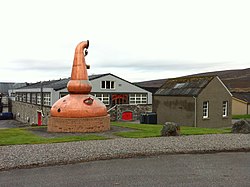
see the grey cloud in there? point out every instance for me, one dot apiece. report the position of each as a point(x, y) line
point(39, 65)
point(107, 65)
point(158, 65)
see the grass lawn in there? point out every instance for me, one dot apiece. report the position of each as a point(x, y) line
point(241, 116)
point(16, 136)
point(146, 130)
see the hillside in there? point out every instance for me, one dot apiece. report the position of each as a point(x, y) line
point(236, 80)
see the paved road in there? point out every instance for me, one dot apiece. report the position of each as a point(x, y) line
point(11, 124)
point(221, 169)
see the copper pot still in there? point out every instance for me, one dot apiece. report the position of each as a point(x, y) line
point(79, 103)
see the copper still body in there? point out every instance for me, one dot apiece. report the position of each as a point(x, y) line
point(79, 111)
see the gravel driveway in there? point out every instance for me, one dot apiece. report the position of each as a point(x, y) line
point(23, 156)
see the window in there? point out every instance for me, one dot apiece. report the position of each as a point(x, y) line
point(20, 96)
point(112, 84)
point(103, 98)
point(33, 98)
point(179, 85)
point(120, 99)
point(225, 108)
point(138, 99)
point(24, 97)
point(38, 96)
point(205, 109)
point(108, 84)
point(28, 97)
point(17, 96)
point(103, 84)
point(46, 99)
point(62, 94)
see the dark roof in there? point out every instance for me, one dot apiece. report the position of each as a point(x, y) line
point(152, 83)
point(5, 86)
point(58, 85)
point(187, 86)
point(45, 84)
point(92, 77)
point(61, 83)
point(244, 96)
point(234, 80)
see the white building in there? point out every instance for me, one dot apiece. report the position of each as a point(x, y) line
point(33, 102)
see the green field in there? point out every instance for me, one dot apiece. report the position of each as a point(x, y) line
point(14, 136)
point(146, 130)
point(241, 116)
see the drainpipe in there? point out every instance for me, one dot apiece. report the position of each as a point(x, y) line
point(41, 96)
point(195, 110)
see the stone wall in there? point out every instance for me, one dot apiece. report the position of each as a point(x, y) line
point(215, 93)
point(91, 124)
point(137, 110)
point(27, 113)
point(178, 109)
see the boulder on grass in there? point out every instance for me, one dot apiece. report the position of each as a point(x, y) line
point(170, 129)
point(241, 126)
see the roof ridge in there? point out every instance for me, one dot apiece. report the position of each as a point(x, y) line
point(192, 77)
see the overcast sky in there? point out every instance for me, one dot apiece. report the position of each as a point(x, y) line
point(134, 39)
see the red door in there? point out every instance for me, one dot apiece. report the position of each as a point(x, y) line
point(127, 116)
point(39, 118)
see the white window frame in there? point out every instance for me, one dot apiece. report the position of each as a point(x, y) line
point(205, 111)
point(24, 97)
point(28, 97)
point(33, 98)
point(46, 99)
point(225, 108)
point(135, 99)
point(17, 96)
point(111, 85)
point(20, 97)
point(105, 98)
point(38, 98)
